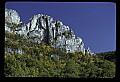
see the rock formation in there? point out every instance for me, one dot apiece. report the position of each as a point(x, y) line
point(45, 29)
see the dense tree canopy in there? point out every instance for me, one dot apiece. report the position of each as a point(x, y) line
point(41, 60)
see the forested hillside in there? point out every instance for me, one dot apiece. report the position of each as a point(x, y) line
point(47, 48)
point(30, 63)
point(110, 56)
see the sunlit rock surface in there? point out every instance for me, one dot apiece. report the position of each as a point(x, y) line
point(12, 16)
point(45, 28)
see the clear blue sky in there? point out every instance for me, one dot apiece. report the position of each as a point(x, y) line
point(94, 22)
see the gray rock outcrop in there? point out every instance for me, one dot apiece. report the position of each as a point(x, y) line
point(45, 29)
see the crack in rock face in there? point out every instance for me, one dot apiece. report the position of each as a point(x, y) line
point(45, 28)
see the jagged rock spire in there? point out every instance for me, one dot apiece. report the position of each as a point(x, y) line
point(52, 32)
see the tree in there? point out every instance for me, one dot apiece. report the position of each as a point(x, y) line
point(71, 69)
point(20, 24)
point(108, 69)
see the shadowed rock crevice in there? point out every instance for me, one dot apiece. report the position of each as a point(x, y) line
point(44, 29)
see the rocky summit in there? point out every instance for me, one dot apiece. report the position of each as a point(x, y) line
point(44, 29)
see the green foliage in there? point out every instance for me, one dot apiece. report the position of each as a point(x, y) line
point(20, 24)
point(72, 65)
point(67, 34)
point(71, 69)
point(7, 23)
point(27, 65)
point(110, 56)
point(13, 26)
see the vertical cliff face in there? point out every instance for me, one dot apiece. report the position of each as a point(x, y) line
point(45, 29)
point(54, 33)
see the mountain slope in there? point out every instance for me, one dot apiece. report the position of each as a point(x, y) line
point(44, 29)
point(110, 56)
point(47, 48)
